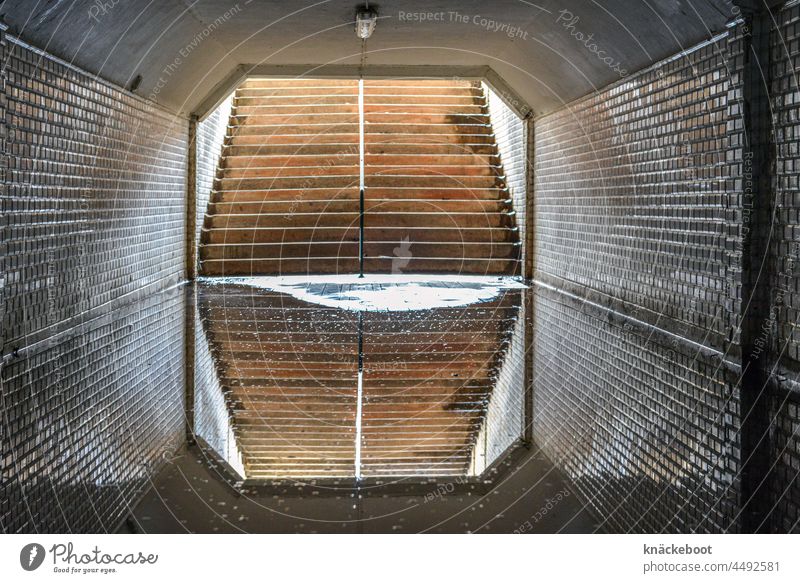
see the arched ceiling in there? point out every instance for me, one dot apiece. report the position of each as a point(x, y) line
point(184, 48)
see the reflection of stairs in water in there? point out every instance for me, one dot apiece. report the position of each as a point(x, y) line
point(286, 200)
point(289, 370)
point(428, 376)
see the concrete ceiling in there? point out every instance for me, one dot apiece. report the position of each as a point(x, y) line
point(183, 48)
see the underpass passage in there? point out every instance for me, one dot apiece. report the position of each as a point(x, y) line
point(658, 202)
point(312, 390)
point(287, 198)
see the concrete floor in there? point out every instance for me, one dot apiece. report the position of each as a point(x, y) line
point(191, 495)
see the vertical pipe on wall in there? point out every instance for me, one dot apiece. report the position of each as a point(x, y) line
point(191, 274)
point(530, 183)
point(758, 270)
point(527, 272)
point(4, 148)
point(361, 232)
point(191, 201)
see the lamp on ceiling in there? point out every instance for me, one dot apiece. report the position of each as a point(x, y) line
point(366, 18)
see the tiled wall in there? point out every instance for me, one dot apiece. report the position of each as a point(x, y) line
point(89, 417)
point(784, 482)
point(93, 196)
point(640, 208)
point(210, 136)
point(636, 194)
point(504, 422)
point(786, 50)
point(785, 313)
point(213, 422)
point(637, 209)
point(510, 134)
point(647, 433)
point(92, 245)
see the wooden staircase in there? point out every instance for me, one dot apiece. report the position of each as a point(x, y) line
point(286, 199)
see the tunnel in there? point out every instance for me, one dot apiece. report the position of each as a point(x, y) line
point(400, 267)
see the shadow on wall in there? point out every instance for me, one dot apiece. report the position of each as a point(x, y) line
point(90, 416)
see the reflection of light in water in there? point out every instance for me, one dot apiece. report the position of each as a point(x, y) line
point(359, 414)
point(381, 292)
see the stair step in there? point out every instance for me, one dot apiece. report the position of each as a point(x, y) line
point(416, 158)
point(434, 95)
point(431, 219)
point(352, 193)
point(398, 128)
point(455, 192)
point(377, 250)
point(417, 83)
point(422, 93)
point(375, 141)
point(349, 115)
point(299, 182)
point(343, 157)
point(286, 194)
point(431, 149)
point(340, 139)
point(455, 117)
point(307, 204)
point(290, 171)
point(281, 103)
point(349, 180)
point(383, 171)
point(448, 180)
point(345, 115)
point(316, 149)
point(349, 232)
point(267, 131)
point(352, 158)
point(348, 265)
point(296, 82)
point(271, 206)
point(340, 106)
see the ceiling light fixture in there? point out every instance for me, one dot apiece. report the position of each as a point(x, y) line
point(366, 18)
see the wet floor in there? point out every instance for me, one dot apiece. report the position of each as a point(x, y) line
point(526, 495)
